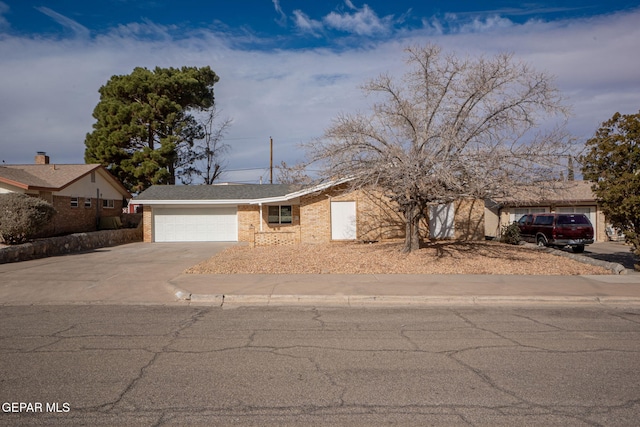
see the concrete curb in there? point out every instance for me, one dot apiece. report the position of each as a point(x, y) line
point(355, 301)
point(178, 292)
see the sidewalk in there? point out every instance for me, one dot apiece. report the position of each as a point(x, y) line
point(143, 273)
point(407, 290)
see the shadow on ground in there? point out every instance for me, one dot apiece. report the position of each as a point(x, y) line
point(627, 259)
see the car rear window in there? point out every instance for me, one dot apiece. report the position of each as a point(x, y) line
point(572, 219)
point(543, 220)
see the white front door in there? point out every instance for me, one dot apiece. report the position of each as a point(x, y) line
point(442, 221)
point(343, 221)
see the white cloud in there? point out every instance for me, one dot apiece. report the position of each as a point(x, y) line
point(49, 87)
point(363, 22)
point(78, 29)
point(480, 25)
point(306, 24)
point(283, 17)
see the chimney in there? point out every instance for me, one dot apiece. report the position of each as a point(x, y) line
point(42, 158)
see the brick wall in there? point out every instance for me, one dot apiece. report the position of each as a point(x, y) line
point(249, 221)
point(147, 226)
point(601, 226)
point(469, 219)
point(376, 217)
point(277, 238)
point(315, 218)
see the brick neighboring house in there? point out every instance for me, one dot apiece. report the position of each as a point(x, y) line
point(276, 214)
point(80, 193)
point(565, 197)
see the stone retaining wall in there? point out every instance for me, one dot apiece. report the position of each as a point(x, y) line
point(71, 243)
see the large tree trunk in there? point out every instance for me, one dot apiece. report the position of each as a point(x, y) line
point(412, 216)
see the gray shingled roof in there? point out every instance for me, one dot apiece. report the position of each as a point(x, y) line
point(216, 192)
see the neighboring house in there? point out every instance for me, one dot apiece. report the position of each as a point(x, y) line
point(566, 197)
point(272, 214)
point(81, 194)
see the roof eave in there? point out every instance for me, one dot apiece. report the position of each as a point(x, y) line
point(254, 201)
point(15, 183)
point(191, 202)
point(303, 192)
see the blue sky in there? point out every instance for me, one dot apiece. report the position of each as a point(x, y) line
point(287, 67)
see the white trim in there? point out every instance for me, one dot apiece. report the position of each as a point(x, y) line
point(303, 192)
point(193, 202)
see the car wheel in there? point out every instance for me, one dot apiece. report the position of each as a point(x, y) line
point(541, 241)
point(578, 249)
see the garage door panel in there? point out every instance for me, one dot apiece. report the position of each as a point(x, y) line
point(196, 224)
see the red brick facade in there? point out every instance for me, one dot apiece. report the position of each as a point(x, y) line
point(71, 219)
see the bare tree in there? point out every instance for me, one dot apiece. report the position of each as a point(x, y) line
point(450, 128)
point(206, 155)
point(294, 174)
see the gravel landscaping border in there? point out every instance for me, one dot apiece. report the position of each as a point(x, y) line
point(443, 257)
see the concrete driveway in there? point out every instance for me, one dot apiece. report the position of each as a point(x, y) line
point(613, 252)
point(134, 273)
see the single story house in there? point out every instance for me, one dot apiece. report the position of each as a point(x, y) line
point(271, 214)
point(562, 197)
point(80, 193)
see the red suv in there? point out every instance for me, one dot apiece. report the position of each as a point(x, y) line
point(557, 229)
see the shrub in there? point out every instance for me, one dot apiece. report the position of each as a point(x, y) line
point(510, 234)
point(22, 216)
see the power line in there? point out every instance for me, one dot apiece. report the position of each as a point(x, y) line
point(246, 169)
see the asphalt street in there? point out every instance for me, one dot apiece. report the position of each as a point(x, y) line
point(179, 365)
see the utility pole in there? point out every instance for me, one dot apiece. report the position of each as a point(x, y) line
point(271, 161)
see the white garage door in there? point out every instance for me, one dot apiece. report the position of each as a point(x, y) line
point(196, 224)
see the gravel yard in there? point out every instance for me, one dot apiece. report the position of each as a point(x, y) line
point(386, 258)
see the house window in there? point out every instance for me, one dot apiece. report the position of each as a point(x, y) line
point(87, 202)
point(107, 204)
point(93, 176)
point(280, 214)
point(74, 202)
